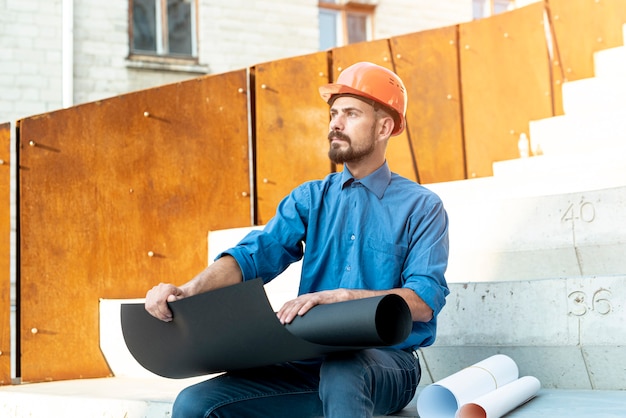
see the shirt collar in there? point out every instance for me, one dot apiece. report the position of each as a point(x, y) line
point(376, 182)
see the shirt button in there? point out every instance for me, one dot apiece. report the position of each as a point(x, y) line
point(348, 268)
point(353, 237)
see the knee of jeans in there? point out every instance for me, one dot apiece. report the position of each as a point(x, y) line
point(186, 405)
point(341, 370)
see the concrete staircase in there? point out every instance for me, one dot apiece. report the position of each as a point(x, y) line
point(537, 271)
point(543, 243)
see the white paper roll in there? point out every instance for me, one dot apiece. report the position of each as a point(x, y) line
point(442, 399)
point(502, 400)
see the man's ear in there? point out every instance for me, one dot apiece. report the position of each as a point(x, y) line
point(386, 125)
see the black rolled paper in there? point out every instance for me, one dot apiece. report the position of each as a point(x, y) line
point(235, 328)
point(371, 322)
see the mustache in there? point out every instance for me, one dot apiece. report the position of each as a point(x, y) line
point(338, 135)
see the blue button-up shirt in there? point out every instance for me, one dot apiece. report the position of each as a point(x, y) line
point(376, 233)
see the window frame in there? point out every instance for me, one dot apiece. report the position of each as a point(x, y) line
point(161, 54)
point(345, 8)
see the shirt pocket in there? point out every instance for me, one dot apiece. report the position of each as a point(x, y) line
point(386, 248)
point(383, 261)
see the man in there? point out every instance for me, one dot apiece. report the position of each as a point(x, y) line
point(367, 232)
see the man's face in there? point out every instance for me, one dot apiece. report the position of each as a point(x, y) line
point(352, 130)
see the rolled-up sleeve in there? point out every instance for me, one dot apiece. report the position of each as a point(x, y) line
point(427, 260)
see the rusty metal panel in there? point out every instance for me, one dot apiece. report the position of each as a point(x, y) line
point(399, 152)
point(5, 254)
point(505, 77)
point(116, 196)
point(428, 63)
point(291, 128)
point(582, 27)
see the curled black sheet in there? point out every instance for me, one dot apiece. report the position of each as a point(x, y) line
point(372, 322)
point(235, 328)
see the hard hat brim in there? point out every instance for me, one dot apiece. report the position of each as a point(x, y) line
point(329, 90)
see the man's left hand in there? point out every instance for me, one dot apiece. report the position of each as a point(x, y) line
point(301, 305)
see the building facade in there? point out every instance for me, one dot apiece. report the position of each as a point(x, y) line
point(60, 53)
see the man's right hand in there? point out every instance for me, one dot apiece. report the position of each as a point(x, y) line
point(157, 298)
point(223, 272)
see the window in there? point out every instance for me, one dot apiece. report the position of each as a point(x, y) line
point(164, 28)
point(486, 8)
point(344, 22)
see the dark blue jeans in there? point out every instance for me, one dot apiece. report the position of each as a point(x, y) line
point(357, 384)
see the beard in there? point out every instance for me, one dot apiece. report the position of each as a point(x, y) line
point(350, 154)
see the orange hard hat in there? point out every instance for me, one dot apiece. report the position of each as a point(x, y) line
point(372, 82)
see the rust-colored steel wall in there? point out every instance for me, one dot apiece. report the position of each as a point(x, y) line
point(399, 152)
point(582, 27)
point(505, 75)
point(116, 196)
point(427, 62)
point(291, 128)
point(5, 258)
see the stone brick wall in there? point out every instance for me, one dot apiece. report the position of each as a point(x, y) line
point(400, 17)
point(101, 47)
point(236, 34)
point(30, 57)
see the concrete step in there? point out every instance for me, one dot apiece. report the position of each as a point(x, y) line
point(610, 62)
point(499, 237)
point(573, 403)
point(578, 134)
point(103, 398)
point(567, 332)
point(602, 168)
point(592, 95)
point(133, 398)
point(594, 109)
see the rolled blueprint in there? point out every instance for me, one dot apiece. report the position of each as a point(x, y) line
point(502, 400)
point(235, 328)
point(443, 399)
